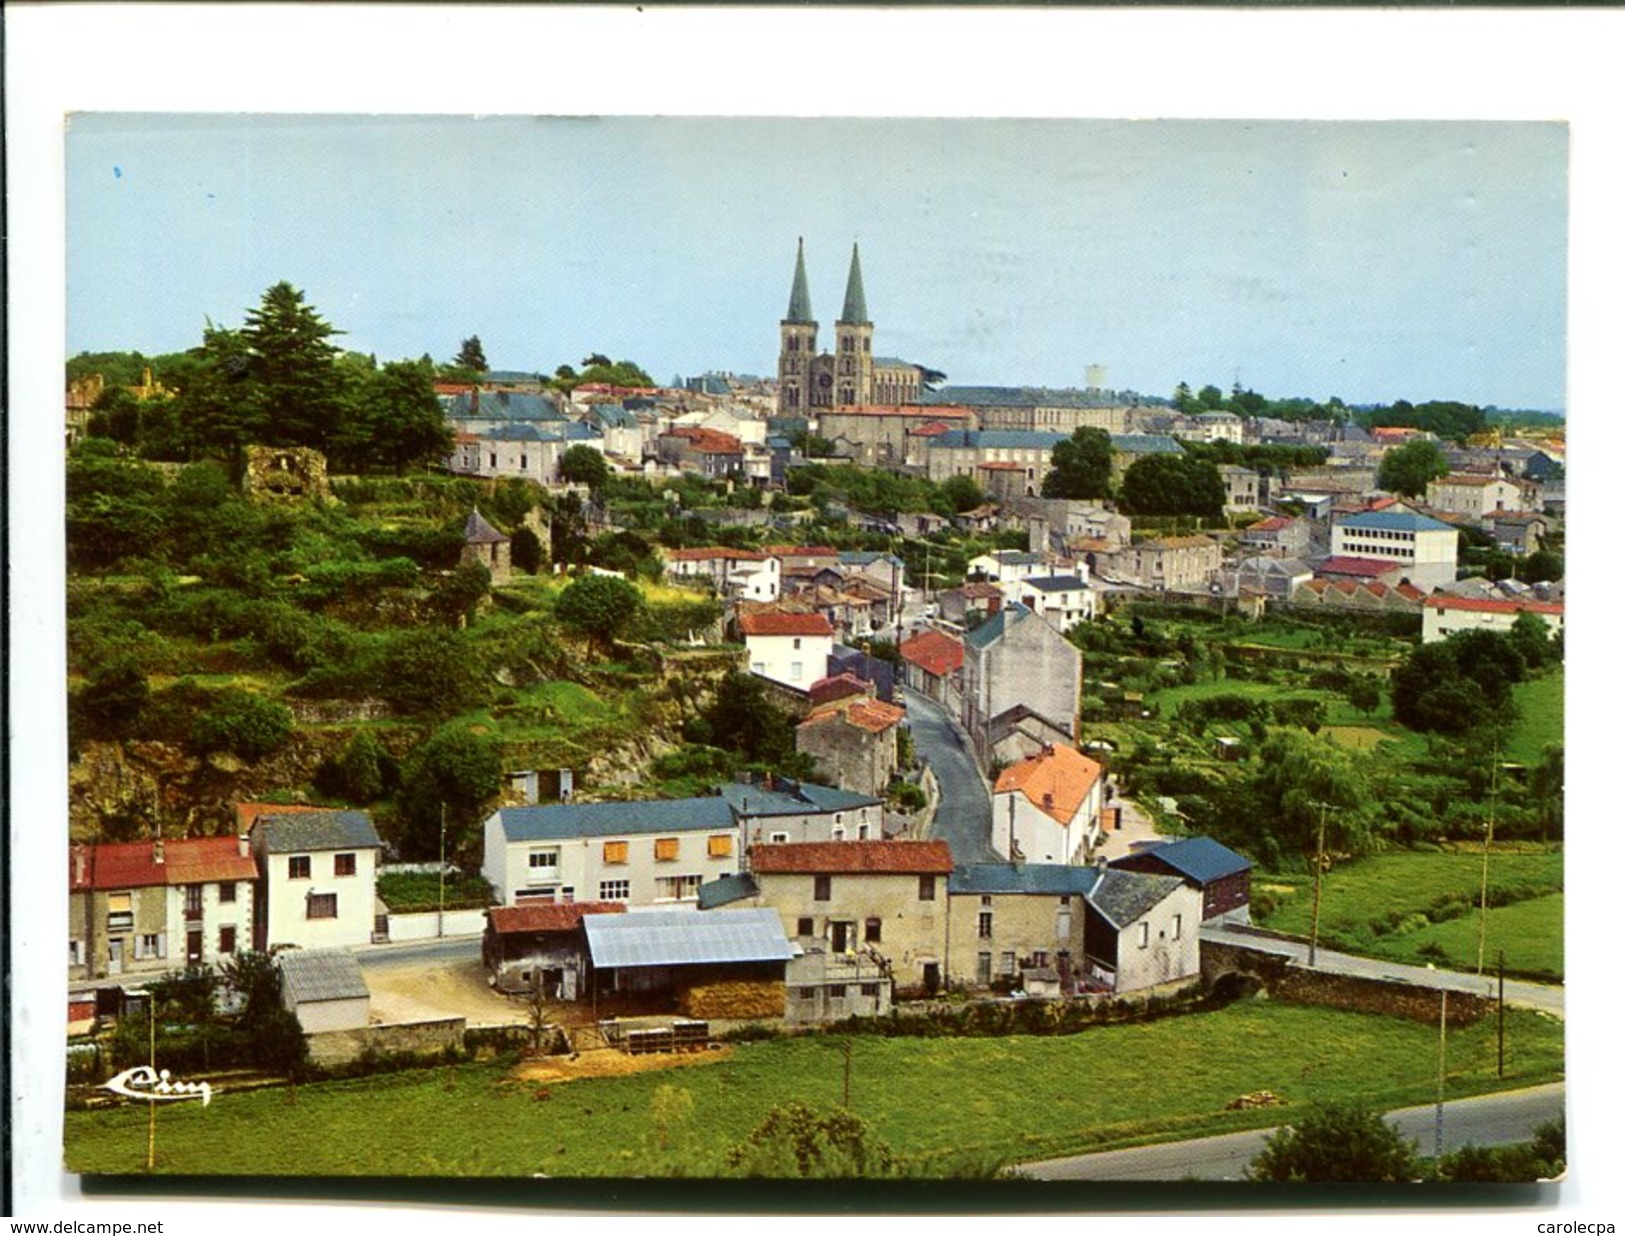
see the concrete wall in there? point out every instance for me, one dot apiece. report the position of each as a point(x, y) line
point(320, 1016)
point(425, 926)
point(333, 1047)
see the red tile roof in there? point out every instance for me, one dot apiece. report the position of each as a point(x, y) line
point(933, 652)
point(1347, 564)
point(785, 624)
point(133, 864)
point(1002, 467)
point(803, 551)
point(876, 716)
point(1056, 781)
point(930, 429)
point(549, 916)
point(932, 412)
point(1275, 523)
point(1476, 605)
point(837, 687)
point(705, 553)
point(708, 441)
point(853, 858)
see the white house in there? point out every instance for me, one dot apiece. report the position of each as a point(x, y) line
point(1046, 807)
point(792, 649)
point(781, 810)
point(317, 878)
point(1060, 600)
point(1141, 930)
point(1424, 548)
point(638, 853)
point(1444, 616)
point(745, 574)
point(1007, 566)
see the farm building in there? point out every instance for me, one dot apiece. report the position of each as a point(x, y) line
point(540, 943)
point(324, 989)
point(1223, 877)
point(722, 964)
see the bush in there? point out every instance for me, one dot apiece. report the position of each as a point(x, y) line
point(242, 722)
point(1337, 1144)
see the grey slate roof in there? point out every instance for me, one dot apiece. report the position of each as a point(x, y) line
point(855, 309)
point(1010, 439)
point(311, 975)
point(317, 830)
point(668, 815)
point(677, 937)
point(1146, 444)
point(800, 309)
point(991, 631)
point(797, 798)
point(476, 531)
point(1032, 397)
point(523, 433)
point(725, 890)
point(1052, 879)
point(509, 405)
point(1200, 858)
point(1053, 583)
point(1123, 896)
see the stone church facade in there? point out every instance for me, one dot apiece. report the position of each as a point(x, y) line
point(849, 377)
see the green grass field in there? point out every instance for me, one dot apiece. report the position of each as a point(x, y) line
point(1540, 718)
point(1016, 1099)
point(1379, 905)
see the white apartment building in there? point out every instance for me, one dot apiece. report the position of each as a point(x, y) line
point(1424, 548)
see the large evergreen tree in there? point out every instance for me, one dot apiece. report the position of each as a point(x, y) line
point(297, 391)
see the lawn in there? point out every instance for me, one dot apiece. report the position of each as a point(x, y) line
point(1540, 718)
point(1016, 1098)
point(1382, 905)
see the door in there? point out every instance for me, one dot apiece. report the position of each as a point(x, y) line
point(115, 956)
point(194, 948)
point(840, 937)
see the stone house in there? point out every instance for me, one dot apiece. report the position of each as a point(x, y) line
point(485, 545)
point(1242, 489)
point(1141, 931)
point(152, 906)
point(853, 742)
point(878, 436)
point(1019, 671)
point(932, 662)
point(884, 898)
point(1278, 534)
point(963, 452)
point(1166, 564)
point(1476, 495)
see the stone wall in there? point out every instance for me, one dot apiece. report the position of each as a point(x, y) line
point(1285, 980)
point(285, 473)
point(421, 1038)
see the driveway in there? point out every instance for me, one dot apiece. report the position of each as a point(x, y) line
point(433, 979)
point(965, 815)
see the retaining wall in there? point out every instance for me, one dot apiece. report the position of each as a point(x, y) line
point(421, 1038)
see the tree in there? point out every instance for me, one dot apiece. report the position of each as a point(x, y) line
point(472, 356)
point(1173, 485)
point(275, 1040)
point(1364, 693)
point(296, 387)
point(525, 549)
point(1337, 1144)
point(743, 719)
point(797, 1140)
point(1532, 638)
point(1456, 684)
point(112, 698)
point(600, 608)
point(362, 773)
point(1542, 566)
point(1408, 469)
point(216, 411)
point(1210, 397)
point(1184, 401)
point(597, 359)
point(963, 493)
point(1080, 466)
point(394, 421)
point(584, 465)
point(1295, 775)
point(455, 769)
point(429, 670)
point(243, 722)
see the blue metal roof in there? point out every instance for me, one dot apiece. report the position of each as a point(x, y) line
point(1054, 879)
point(561, 820)
point(985, 439)
point(1395, 521)
point(803, 798)
point(725, 890)
point(679, 937)
point(1200, 858)
point(523, 433)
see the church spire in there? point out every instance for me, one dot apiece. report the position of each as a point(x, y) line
point(856, 310)
point(800, 302)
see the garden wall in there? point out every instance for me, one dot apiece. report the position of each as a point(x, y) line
point(426, 925)
point(418, 1038)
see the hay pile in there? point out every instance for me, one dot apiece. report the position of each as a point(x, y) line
point(734, 1001)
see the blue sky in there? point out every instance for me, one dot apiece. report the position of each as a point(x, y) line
point(1374, 260)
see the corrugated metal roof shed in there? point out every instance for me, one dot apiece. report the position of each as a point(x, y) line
point(311, 975)
point(676, 938)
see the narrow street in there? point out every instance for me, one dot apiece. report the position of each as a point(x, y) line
point(965, 816)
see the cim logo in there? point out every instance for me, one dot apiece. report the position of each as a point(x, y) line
point(156, 1086)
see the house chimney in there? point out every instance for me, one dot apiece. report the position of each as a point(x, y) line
point(242, 845)
point(79, 864)
point(158, 850)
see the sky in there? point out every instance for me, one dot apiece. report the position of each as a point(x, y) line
point(1373, 261)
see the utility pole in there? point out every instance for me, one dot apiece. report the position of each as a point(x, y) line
point(1438, 1108)
point(152, 1063)
point(1320, 858)
point(1501, 1015)
point(1489, 838)
point(440, 925)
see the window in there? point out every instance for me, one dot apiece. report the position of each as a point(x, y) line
point(226, 892)
point(796, 643)
point(344, 864)
point(807, 993)
point(543, 863)
point(76, 952)
point(149, 946)
point(928, 888)
point(1145, 934)
point(228, 940)
point(322, 905)
point(666, 849)
point(821, 888)
point(804, 927)
point(1174, 934)
point(299, 867)
point(1040, 957)
point(795, 669)
point(838, 833)
point(984, 968)
point(192, 899)
point(871, 931)
point(719, 846)
point(615, 890)
point(778, 838)
point(863, 832)
point(1007, 964)
point(615, 851)
point(678, 888)
point(984, 925)
point(120, 912)
point(869, 991)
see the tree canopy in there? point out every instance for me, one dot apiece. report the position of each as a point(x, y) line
point(599, 607)
point(1081, 466)
point(1408, 469)
point(1173, 485)
point(1332, 1144)
point(1457, 684)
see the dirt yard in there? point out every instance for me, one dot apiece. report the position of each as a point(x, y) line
point(1356, 737)
point(423, 991)
point(608, 1062)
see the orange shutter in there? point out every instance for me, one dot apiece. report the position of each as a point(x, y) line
point(666, 848)
point(720, 846)
point(615, 851)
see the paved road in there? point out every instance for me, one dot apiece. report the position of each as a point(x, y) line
point(449, 950)
point(965, 816)
point(1488, 1120)
point(1542, 996)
